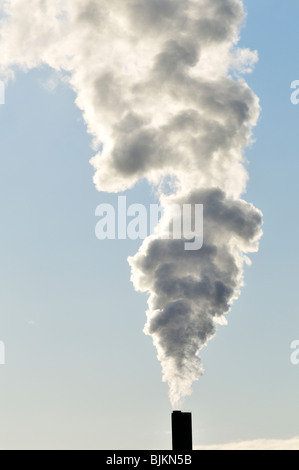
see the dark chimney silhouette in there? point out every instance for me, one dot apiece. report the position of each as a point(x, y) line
point(181, 432)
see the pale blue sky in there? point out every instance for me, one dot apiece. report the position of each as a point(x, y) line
point(80, 373)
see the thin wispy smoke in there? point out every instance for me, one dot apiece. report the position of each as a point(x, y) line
point(159, 84)
point(259, 444)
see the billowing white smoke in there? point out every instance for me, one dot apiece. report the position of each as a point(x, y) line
point(154, 81)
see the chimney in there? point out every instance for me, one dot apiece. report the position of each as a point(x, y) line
point(181, 432)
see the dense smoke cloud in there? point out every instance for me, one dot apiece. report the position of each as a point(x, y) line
point(191, 291)
point(159, 84)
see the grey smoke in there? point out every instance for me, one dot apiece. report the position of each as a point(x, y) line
point(191, 291)
point(160, 86)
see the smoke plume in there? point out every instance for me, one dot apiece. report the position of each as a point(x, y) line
point(160, 86)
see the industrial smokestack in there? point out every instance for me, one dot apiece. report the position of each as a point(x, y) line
point(181, 432)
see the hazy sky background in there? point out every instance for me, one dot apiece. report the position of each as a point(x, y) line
point(80, 373)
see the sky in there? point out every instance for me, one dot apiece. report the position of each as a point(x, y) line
point(79, 371)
